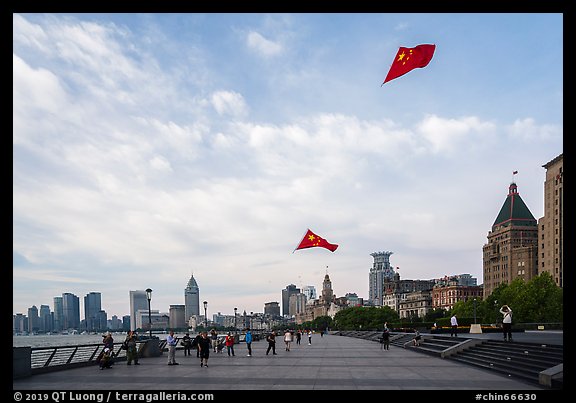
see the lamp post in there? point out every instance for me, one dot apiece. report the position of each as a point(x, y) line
point(235, 328)
point(474, 310)
point(205, 315)
point(149, 297)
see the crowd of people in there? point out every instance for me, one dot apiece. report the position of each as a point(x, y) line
point(205, 342)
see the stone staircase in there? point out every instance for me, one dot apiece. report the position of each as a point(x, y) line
point(528, 361)
point(531, 362)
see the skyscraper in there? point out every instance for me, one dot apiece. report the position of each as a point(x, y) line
point(310, 292)
point(286, 293)
point(92, 306)
point(45, 323)
point(191, 299)
point(177, 314)
point(380, 272)
point(551, 226)
point(33, 319)
point(58, 314)
point(71, 311)
point(512, 248)
point(138, 301)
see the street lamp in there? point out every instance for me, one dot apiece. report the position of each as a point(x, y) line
point(474, 310)
point(205, 317)
point(149, 297)
point(235, 328)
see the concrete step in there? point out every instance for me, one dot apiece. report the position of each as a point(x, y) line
point(517, 372)
point(505, 360)
point(523, 355)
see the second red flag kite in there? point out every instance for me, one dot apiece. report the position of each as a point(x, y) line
point(408, 59)
point(312, 240)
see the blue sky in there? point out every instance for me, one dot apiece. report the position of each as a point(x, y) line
point(147, 147)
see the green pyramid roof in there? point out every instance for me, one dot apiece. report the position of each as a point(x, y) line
point(514, 211)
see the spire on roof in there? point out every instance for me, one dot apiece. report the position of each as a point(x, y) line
point(514, 211)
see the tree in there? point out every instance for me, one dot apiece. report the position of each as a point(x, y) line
point(355, 318)
point(435, 314)
point(538, 300)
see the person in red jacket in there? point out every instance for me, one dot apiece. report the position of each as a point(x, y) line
point(230, 343)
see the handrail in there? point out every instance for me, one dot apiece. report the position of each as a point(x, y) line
point(59, 357)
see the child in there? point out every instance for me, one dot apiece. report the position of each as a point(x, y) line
point(105, 359)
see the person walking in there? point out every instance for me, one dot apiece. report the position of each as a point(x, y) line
point(298, 336)
point(131, 351)
point(309, 337)
point(454, 326)
point(230, 344)
point(171, 341)
point(214, 339)
point(204, 345)
point(195, 344)
point(187, 343)
point(248, 340)
point(288, 339)
point(506, 322)
point(385, 339)
point(271, 339)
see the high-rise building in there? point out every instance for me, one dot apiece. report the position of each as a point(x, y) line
point(286, 293)
point(58, 314)
point(20, 323)
point(138, 302)
point(33, 319)
point(177, 317)
point(101, 320)
point(191, 299)
point(551, 226)
point(92, 305)
point(126, 322)
point(380, 272)
point(512, 249)
point(71, 311)
point(272, 308)
point(45, 323)
point(310, 292)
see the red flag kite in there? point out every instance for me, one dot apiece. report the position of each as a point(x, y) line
point(408, 59)
point(312, 240)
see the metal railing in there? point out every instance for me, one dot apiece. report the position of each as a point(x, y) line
point(45, 359)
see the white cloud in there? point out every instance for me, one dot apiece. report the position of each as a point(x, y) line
point(261, 45)
point(160, 164)
point(527, 130)
point(125, 164)
point(229, 103)
point(445, 135)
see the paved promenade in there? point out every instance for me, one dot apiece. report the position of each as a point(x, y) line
point(331, 363)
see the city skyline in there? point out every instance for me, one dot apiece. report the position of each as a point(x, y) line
point(147, 147)
point(133, 307)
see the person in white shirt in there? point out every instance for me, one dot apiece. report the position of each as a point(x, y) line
point(454, 324)
point(288, 339)
point(506, 322)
